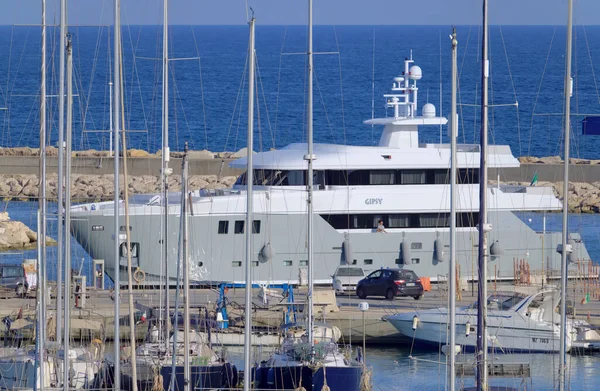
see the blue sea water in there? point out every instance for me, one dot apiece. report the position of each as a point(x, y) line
point(208, 93)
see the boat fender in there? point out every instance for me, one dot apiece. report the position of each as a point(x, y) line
point(139, 276)
point(347, 250)
point(415, 323)
point(572, 256)
point(439, 249)
point(266, 253)
point(496, 249)
point(405, 252)
point(467, 329)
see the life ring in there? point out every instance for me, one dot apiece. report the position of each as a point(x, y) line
point(139, 276)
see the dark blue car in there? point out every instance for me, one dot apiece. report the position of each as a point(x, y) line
point(390, 283)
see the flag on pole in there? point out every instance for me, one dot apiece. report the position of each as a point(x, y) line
point(534, 180)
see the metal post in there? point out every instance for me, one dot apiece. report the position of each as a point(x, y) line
point(41, 266)
point(110, 110)
point(186, 274)
point(67, 263)
point(249, 210)
point(562, 366)
point(116, 125)
point(165, 164)
point(309, 183)
point(61, 157)
point(452, 263)
point(481, 353)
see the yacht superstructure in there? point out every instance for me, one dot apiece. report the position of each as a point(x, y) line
point(401, 181)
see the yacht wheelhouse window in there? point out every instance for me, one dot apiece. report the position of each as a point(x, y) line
point(239, 227)
point(294, 178)
point(223, 227)
point(256, 227)
point(382, 177)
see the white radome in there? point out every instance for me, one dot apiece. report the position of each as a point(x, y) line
point(415, 72)
point(428, 110)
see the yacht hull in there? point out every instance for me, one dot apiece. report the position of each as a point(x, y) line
point(218, 257)
point(311, 378)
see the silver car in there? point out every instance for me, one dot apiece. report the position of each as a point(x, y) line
point(13, 277)
point(346, 278)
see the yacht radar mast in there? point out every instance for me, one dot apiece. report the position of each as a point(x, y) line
point(401, 130)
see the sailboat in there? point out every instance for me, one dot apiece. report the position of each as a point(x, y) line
point(52, 365)
point(313, 360)
point(187, 354)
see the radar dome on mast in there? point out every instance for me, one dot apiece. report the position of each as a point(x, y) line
point(415, 72)
point(428, 110)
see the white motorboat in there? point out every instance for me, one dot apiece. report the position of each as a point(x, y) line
point(516, 322)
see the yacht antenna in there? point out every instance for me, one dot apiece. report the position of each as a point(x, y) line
point(309, 157)
point(481, 353)
point(452, 263)
point(249, 210)
point(562, 368)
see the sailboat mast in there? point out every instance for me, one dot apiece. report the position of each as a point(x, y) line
point(562, 369)
point(249, 211)
point(165, 162)
point(481, 353)
point(67, 271)
point(41, 240)
point(116, 126)
point(186, 272)
point(309, 181)
point(452, 263)
point(61, 157)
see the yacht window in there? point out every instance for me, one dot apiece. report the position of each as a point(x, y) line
point(382, 177)
point(413, 177)
point(468, 175)
point(415, 261)
point(239, 227)
point(429, 220)
point(287, 263)
point(336, 178)
point(122, 228)
point(241, 180)
point(368, 261)
point(236, 264)
point(303, 262)
point(399, 221)
point(256, 227)
point(398, 261)
point(416, 246)
point(358, 178)
point(440, 177)
point(223, 226)
point(135, 249)
point(254, 263)
point(97, 228)
point(294, 178)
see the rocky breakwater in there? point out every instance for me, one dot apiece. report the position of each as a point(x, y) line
point(100, 187)
point(14, 235)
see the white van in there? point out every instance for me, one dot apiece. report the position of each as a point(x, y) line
point(346, 278)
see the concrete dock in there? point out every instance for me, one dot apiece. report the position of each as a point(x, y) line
point(99, 308)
